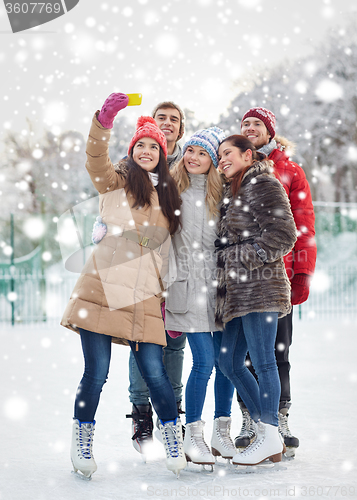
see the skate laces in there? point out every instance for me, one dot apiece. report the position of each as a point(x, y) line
point(86, 439)
point(223, 433)
point(144, 424)
point(170, 431)
point(247, 425)
point(284, 426)
point(197, 438)
point(256, 443)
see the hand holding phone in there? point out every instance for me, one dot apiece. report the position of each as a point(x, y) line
point(134, 99)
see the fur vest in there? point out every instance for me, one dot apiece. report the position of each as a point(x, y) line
point(260, 214)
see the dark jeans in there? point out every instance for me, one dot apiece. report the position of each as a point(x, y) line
point(282, 345)
point(173, 361)
point(97, 353)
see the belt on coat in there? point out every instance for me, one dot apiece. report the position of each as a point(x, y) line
point(134, 236)
point(143, 241)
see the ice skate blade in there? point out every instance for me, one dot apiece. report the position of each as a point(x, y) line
point(226, 463)
point(81, 476)
point(158, 435)
point(216, 454)
point(203, 468)
point(146, 451)
point(290, 452)
point(262, 468)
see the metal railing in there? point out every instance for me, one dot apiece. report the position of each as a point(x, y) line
point(31, 293)
point(333, 293)
point(36, 297)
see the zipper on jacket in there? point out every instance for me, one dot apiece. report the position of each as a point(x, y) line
point(137, 346)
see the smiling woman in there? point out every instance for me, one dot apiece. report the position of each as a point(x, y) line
point(256, 229)
point(191, 299)
point(146, 153)
point(117, 297)
point(197, 160)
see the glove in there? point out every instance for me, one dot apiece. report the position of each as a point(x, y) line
point(300, 287)
point(170, 333)
point(99, 231)
point(114, 103)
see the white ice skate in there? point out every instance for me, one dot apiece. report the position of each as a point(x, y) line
point(171, 433)
point(81, 449)
point(221, 442)
point(267, 445)
point(196, 449)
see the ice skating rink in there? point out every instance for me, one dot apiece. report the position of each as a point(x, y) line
point(40, 367)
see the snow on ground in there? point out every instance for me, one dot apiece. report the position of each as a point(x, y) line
point(40, 367)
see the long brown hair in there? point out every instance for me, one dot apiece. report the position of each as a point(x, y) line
point(243, 144)
point(139, 185)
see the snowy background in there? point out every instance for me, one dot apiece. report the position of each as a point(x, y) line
point(189, 51)
point(203, 54)
point(39, 372)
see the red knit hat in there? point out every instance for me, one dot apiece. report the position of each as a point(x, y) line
point(266, 116)
point(147, 127)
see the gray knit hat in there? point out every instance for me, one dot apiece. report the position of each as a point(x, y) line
point(209, 139)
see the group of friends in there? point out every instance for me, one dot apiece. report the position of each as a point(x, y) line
point(214, 243)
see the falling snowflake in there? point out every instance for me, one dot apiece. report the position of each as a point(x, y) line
point(329, 91)
point(34, 228)
point(15, 408)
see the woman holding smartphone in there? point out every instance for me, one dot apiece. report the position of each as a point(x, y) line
point(117, 297)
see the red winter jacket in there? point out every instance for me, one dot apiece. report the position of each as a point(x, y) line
point(302, 259)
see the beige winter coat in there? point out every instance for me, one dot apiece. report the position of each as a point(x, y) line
point(118, 292)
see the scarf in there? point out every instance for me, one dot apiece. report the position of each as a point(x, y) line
point(268, 148)
point(154, 178)
point(175, 157)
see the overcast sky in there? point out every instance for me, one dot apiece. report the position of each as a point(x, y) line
point(189, 51)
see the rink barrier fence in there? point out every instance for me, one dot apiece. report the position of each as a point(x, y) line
point(39, 297)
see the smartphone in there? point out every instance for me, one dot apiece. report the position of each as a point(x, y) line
point(134, 99)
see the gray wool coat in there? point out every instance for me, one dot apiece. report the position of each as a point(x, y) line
point(190, 300)
point(260, 214)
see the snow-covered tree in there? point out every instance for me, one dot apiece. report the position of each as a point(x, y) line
point(315, 103)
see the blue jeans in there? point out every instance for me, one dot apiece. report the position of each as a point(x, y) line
point(173, 361)
point(97, 353)
point(205, 348)
point(283, 339)
point(256, 333)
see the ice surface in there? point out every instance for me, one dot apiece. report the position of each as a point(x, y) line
point(41, 366)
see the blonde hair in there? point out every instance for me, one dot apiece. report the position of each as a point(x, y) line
point(214, 185)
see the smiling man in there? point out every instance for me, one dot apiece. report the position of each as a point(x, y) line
point(258, 125)
point(171, 120)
